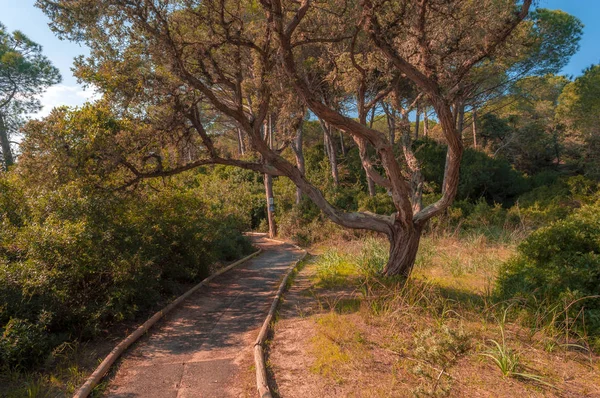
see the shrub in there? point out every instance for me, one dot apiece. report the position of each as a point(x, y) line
point(23, 344)
point(559, 263)
point(82, 259)
point(552, 202)
point(482, 176)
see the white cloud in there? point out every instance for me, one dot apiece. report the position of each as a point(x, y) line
point(62, 94)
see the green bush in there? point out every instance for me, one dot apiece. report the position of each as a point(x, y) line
point(559, 264)
point(555, 201)
point(83, 259)
point(481, 176)
point(23, 344)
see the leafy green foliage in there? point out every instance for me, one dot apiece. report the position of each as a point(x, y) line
point(560, 262)
point(481, 175)
point(555, 37)
point(85, 259)
point(24, 70)
point(23, 343)
point(579, 110)
point(25, 73)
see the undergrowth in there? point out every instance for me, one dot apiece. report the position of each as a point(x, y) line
point(446, 314)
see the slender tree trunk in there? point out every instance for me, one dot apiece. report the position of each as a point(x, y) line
point(460, 123)
point(416, 177)
point(475, 128)
point(391, 121)
point(371, 186)
point(404, 244)
point(425, 123)
point(5, 144)
point(331, 153)
point(271, 136)
point(417, 121)
point(334, 162)
point(299, 153)
point(268, 136)
point(363, 120)
point(270, 205)
point(342, 145)
point(241, 145)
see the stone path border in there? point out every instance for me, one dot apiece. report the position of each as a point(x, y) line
point(259, 354)
point(103, 368)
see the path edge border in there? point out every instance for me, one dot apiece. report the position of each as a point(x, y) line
point(93, 380)
point(262, 384)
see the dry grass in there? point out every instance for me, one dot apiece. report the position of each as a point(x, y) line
point(354, 334)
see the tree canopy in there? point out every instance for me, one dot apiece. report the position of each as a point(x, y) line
point(188, 75)
point(25, 73)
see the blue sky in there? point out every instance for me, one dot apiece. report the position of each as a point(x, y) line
point(22, 15)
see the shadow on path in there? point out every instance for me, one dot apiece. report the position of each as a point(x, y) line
point(196, 351)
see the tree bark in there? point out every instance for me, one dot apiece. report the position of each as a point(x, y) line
point(270, 205)
point(241, 145)
point(5, 144)
point(371, 186)
point(416, 176)
point(268, 136)
point(425, 123)
point(299, 153)
point(363, 153)
point(330, 151)
point(460, 123)
point(404, 244)
point(334, 161)
point(417, 121)
point(391, 122)
point(342, 144)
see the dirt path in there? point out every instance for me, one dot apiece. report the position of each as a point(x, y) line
point(204, 347)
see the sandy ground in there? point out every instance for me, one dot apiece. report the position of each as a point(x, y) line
point(372, 370)
point(204, 347)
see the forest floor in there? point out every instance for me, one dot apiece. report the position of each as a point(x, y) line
point(340, 334)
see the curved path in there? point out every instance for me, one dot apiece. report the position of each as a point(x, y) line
point(204, 347)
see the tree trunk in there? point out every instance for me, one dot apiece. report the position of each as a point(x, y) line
point(271, 138)
point(391, 122)
point(299, 153)
point(331, 153)
point(241, 145)
point(5, 144)
point(416, 177)
point(425, 123)
point(460, 124)
point(404, 244)
point(371, 186)
point(270, 205)
point(333, 161)
point(417, 121)
point(268, 136)
point(342, 145)
point(474, 128)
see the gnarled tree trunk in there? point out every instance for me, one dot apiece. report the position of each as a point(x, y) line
point(404, 244)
